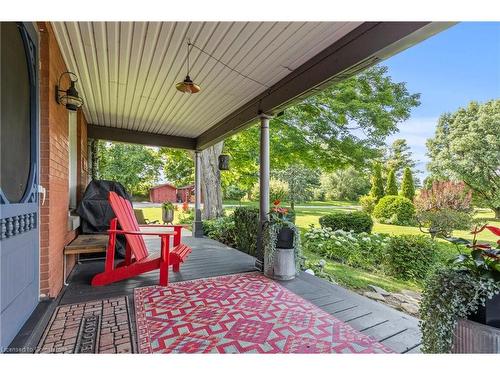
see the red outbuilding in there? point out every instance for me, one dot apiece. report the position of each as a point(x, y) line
point(163, 193)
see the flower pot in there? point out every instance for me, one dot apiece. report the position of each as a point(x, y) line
point(489, 314)
point(283, 267)
point(471, 337)
point(167, 215)
point(285, 238)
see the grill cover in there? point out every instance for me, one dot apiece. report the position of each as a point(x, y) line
point(95, 211)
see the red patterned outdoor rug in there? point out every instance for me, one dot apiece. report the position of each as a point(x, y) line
point(243, 313)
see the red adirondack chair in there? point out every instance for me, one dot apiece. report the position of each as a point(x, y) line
point(137, 258)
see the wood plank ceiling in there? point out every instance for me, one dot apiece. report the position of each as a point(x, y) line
point(127, 70)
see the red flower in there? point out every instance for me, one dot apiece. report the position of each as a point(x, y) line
point(493, 229)
point(276, 202)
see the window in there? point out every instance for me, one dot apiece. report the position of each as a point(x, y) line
point(73, 159)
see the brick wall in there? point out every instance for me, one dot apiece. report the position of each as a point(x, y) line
point(54, 162)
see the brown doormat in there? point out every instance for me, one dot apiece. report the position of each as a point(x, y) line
point(101, 326)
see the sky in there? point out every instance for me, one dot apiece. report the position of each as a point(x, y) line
point(449, 70)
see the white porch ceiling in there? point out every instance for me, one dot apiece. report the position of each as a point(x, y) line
point(127, 70)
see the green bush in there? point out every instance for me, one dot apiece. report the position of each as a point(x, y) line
point(354, 249)
point(410, 257)
point(221, 229)
point(233, 192)
point(407, 185)
point(441, 223)
point(246, 221)
point(367, 203)
point(392, 186)
point(393, 209)
point(186, 217)
point(356, 221)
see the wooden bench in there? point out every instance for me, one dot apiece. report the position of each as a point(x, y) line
point(85, 244)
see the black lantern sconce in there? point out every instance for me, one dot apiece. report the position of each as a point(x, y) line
point(224, 162)
point(69, 97)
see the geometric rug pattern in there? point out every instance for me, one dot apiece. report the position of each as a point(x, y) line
point(242, 313)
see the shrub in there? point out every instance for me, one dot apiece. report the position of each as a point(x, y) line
point(356, 221)
point(410, 257)
point(377, 189)
point(278, 190)
point(345, 184)
point(442, 222)
point(233, 192)
point(407, 185)
point(392, 186)
point(393, 209)
point(186, 216)
point(246, 221)
point(445, 195)
point(367, 203)
point(221, 229)
point(355, 249)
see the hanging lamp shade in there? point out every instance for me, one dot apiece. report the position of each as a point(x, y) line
point(188, 86)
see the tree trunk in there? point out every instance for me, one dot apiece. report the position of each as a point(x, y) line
point(210, 182)
point(497, 212)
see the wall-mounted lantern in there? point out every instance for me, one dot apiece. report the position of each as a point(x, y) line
point(224, 162)
point(69, 97)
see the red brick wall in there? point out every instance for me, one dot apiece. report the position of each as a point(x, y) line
point(54, 161)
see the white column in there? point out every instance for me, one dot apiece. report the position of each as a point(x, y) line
point(197, 223)
point(264, 174)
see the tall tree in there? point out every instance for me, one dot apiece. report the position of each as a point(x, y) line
point(137, 167)
point(391, 186)
point(210, 181)
point(301, 182)
point(398, 156)
point(407, 185)
point(345, 184)
point(178, 167)
point(377, 189)
point(466, 147)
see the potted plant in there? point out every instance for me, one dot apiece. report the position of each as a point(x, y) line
point(167, 212)
point(281, 244)
point(460, 309)
point(482, 261)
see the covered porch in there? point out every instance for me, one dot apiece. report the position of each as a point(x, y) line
point(126, 74)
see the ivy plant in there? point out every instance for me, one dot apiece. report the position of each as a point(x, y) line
point(450, 295)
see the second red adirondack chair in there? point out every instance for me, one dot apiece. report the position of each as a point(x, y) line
point(137, 258)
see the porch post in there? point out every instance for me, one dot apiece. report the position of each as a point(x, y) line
point(197, 224)
point(264, 175)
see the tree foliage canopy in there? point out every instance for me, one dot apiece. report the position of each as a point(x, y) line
point(466, 147)
point(137, 167)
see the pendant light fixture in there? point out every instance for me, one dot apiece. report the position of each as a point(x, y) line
point(188, 86)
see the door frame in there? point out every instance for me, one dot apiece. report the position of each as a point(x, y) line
point(30, 37)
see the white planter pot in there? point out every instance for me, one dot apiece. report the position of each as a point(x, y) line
point(472, 337)
point(283, 267)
